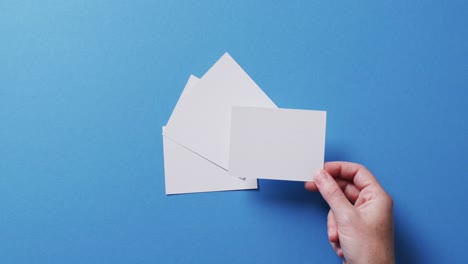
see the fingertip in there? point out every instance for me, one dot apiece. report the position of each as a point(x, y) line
point(319, 177)
point(337, 248)
point(332, 235)
point(310, 186)
point(339, 252)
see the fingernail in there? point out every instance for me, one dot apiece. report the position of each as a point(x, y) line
point(319, 177)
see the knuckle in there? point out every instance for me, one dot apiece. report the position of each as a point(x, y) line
point(333, 192)
point(389, 200)
point(360, 166)
point(386, 199)
point(367, 194)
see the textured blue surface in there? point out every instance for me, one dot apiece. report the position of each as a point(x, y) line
point(85, 87)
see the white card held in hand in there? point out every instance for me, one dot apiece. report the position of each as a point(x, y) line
point(281, 144)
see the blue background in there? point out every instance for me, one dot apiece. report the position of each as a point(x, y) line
point(85, 87)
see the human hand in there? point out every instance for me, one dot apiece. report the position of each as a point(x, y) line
point(360, 221)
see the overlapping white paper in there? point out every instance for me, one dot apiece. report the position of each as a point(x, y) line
point(202, 120)
point(187, 172)
point(220, 134)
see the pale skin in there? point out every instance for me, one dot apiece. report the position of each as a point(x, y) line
point(360, 220)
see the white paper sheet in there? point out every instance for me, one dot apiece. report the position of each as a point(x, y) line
point(201, 120)
point(192, 81)
point(281, 144)
point(187, 172)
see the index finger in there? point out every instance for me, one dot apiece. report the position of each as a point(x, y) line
point(357, 173)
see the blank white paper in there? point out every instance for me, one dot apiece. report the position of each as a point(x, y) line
point(187, 172)
point(192, 81)
point(281, 144)
point(201, 121)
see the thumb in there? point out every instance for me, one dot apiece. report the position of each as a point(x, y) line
point(332, 193)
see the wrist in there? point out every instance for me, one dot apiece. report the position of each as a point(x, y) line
point(370, 251)
point(379, 253)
